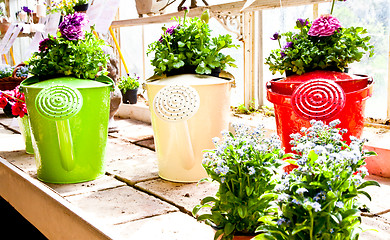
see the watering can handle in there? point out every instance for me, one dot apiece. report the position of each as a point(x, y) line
point(59, 103)
point(65, 144)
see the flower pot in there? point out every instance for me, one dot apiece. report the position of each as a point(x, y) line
point(130, 96)
point(319, 95)
point(69, 118)
point(81, 8)
point(24, 126)
point(187, 111)
point(149, 6)
point(4, 25)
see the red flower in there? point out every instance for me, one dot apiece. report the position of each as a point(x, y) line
point(19, 109)
point(3, 101)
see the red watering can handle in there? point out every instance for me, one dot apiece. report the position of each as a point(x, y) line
point(318, 99)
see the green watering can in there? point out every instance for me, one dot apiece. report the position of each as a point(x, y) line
point(69, 119)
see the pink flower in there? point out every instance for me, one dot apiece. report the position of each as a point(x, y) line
point(326, 25)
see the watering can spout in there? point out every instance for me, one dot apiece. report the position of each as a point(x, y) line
point(60, 103)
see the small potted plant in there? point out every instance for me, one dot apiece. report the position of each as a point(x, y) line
point(189, 91)
point(68, 98)
point(81, 5)
point(319, 198)
point(245, 166)
point(14, 105)
point(129, 88)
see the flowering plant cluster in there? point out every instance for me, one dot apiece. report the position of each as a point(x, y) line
point(66, 6)
point(244, 165)
point(13, 103)
point(188, 45)
point(7, 70)
point(322, 44)
point(318, 200)
point(128, 83)
point(74, 51)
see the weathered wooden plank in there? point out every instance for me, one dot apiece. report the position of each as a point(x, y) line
point(225, 9)
point(51, 214)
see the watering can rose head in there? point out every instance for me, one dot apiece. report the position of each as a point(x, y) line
point(75, 51)
point(316, 45)
point(188, 46)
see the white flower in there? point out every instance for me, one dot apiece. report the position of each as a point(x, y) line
point(319, 150)
point(339, 204)
point(251, 170)
point(215, 140)
point(334, 123)
point(316, 206)
point(240, 152)
point(283, 197)
point(301, 191)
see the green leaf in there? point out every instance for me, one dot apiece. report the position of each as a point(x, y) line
point(228, 229)
point(368, 183)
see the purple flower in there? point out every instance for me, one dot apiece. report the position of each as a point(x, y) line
point(302, 22)
point(27, 10)
point(169, 31)
point(288, 45)
point(45, 44)
point(275, 36)
point(72, 26)
point(325, 25)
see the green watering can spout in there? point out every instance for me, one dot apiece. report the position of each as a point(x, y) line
point(59, 103)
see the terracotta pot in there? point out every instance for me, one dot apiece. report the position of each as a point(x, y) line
point(4, 26)
point(378, 165)
point(149, 6)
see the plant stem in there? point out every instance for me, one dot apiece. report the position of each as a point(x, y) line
point(331, 10)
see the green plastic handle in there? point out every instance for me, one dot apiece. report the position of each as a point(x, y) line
point(105, 79)
point(65, 144)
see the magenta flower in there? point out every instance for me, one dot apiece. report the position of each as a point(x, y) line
point(169, 31)
point(325, 25)
point(276, 36)
point(72, 28)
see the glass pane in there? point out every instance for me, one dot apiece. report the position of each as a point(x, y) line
point(375, 17)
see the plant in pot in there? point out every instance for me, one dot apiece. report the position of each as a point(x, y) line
point(129, 88)
point(68, 101)
point(81, 5)
point(319, 199)
point(10, 77)
point(314, 58)
point(4, 21)
point(14, 105)
point(183, 97)
point(245, 166)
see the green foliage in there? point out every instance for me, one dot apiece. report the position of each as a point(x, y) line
point(245, 166)
point(128, 83)
point(5, 71)
point(308, 53)
point(189, 44)
point(83, 58)
point(318, 200)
